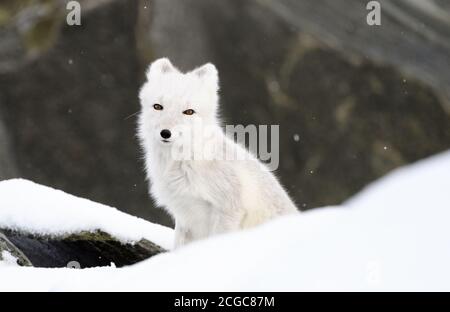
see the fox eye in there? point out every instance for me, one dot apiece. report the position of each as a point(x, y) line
point(189, 112)
point(157, 106)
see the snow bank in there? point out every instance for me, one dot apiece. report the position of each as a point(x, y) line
point(38, 209)
point(7, 259)
point(393, 236)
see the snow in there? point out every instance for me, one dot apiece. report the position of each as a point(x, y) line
point(7, 259)
point(38, 209)
point(392, 236)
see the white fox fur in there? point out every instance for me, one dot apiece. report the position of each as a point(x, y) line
point(206, 196)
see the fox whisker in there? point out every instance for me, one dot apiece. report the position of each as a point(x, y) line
point(134, 114)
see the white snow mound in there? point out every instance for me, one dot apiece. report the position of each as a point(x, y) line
point(392, 236)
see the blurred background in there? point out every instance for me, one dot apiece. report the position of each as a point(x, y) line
point(353, 101)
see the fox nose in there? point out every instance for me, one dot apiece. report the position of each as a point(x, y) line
point(165, 134)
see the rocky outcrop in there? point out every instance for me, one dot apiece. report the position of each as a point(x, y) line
point(8, 167)
point(82, 250)
point(352, 101)
point(412, 37)
point(7, 247)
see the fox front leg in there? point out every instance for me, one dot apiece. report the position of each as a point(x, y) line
point(182, 236)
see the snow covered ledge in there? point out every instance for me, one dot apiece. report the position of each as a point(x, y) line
point(44, 227)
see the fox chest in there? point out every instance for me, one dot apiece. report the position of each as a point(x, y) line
point(181, 191)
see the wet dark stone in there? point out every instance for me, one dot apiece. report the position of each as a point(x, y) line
point(82, 250)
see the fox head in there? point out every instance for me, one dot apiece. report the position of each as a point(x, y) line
point(172, 101)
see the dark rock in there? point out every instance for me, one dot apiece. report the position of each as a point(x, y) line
point(83, 250)
point(8, 167)
point(7, 246)
point(412, 38)
point(27, 29)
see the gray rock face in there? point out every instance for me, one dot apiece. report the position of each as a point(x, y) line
point(7, 247)
point(352, 101)
point(82, 250)
point(412, 38)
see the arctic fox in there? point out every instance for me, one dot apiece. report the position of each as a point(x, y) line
point(209, 195)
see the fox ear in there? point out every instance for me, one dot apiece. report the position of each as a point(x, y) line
point(208, 73)
point(160, 66)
